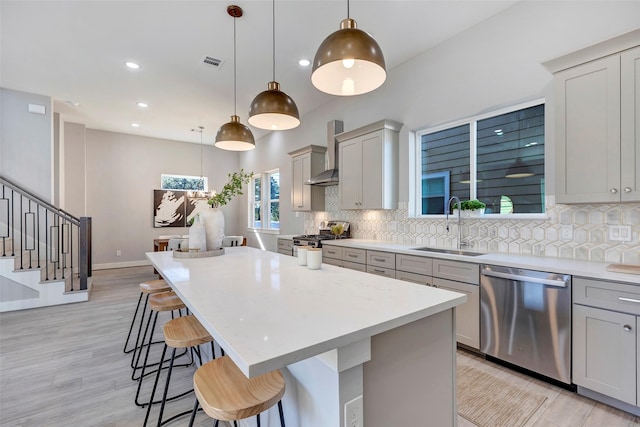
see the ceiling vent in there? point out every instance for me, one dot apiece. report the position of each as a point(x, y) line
point(212, 62)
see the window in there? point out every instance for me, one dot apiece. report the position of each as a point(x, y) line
point(497, 158)
point(183, 182)
point(265, 198)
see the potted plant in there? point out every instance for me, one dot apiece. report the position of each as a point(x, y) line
point(470, 208)
point(213, 219)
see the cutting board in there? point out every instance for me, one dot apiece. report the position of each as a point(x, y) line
point(624, 268)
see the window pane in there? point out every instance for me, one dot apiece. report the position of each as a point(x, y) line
point(510, 161)
point(182, 182)
point(274, 215)
point(274, 185)
point(257, 188)
point(445, 168)
point(257, 223)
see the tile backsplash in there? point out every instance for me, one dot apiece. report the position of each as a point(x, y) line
point(586, 230)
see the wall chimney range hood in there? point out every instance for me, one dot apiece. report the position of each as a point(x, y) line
point(330, 176)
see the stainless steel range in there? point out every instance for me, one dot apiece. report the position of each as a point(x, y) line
point(315, 240)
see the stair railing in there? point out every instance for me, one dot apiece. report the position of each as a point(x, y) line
point(44, 235)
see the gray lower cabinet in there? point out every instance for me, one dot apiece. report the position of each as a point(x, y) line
point(467, 314)
point(455, 276)
point(285, 246)
point(606, 359)
point(354, 259)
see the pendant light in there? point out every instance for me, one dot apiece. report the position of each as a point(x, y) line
point(518, 169)
point(348, 62)
point(234, 136)
point(274, 109)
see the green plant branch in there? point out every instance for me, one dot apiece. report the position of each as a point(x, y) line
point(230, 189)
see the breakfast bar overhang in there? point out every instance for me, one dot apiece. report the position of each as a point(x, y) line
point(339, 333)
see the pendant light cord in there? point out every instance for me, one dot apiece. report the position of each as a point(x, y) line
point(235, 100)
point(273, 23)
point(348, 15)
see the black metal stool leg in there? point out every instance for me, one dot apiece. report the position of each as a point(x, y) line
point(258, 420)
point(146, 359)
point(135, 315)
point(135, 357)
point(166, 387)
point(155, 385)
point(281, 413)
point(193, 413)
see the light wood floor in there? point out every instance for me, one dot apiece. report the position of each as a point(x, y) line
point(64, 366)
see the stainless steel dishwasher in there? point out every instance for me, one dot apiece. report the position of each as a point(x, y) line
point(525, 319)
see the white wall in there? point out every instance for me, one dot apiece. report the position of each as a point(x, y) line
point(26, 150)
point(494, 64)
point(120, 173)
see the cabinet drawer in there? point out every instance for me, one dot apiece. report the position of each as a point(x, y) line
point(332, 261)
point(610, 295)
point(456, 270)
point(467, 314)
point(354, 255)
point(354, 266)
point(381, 259)
point(381, 271)
point(332, 252)
point(420, 279)
point(285, 244)
point(414, 264)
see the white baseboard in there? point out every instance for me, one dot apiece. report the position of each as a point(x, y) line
point(140, 263)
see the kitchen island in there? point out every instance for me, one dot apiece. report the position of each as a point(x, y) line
point(339, 334)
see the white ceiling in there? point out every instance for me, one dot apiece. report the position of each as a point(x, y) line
point(76, 50)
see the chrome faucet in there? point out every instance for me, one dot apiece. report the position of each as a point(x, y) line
point(446, 213)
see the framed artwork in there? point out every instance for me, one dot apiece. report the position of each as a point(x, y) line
point(169, 208)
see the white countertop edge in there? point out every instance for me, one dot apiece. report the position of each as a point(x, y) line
point(579, 268)
point(256, 368)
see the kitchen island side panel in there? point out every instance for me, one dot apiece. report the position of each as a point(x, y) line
point(408, 381)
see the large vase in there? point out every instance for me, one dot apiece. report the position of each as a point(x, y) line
point(213, 221)
point(197, 236)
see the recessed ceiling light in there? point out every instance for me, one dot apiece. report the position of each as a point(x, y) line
point(142, 104)
point(135, 125)
point(304, 62)
point(73, 103)
point(132, 65)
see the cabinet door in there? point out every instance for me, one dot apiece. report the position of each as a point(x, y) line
point(588, 132)
point(630, 126)
point(350, 174)
point(604, 352)
point(372, 171)
point(467, 314)
point(300, 193)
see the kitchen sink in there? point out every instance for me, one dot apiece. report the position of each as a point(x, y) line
point(449, 251)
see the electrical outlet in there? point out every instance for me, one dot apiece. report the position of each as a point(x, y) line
point(566, 232)
point(118, 252)
point(620, 233)
point(353, 413)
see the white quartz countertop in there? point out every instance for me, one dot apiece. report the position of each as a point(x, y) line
point(268, 312)
point(592, 269)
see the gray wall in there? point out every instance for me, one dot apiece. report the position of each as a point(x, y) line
point(26, 150)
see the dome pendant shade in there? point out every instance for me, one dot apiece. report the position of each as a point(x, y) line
point(234, 136)
point(519, 169)
point(348, 62)
point(274, 110)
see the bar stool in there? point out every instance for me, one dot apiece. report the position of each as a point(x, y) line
point(159, 302)
point(146, 288)
point(226, 394)
point(184, 332)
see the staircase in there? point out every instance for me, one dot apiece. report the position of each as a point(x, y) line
point(45, 252)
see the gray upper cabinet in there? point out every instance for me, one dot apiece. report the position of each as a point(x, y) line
point(368, 166)
point(305, 163)
point(597, 139)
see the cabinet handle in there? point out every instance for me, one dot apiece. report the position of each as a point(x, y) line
point(300, 206)
point(380, 259)
point(629, 299)
point(627, 328)
point(378, 271)
point(352, 255)
point(627, 189)
point(613, 190)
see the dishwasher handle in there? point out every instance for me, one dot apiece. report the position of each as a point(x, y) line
point(549, 282)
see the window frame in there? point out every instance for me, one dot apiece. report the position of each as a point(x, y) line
point(416, 203)
point(265, 203)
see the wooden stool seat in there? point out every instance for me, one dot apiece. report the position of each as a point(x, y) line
point(226, 394)
point(165, 301)
point(154, 286)
point(185, 332)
